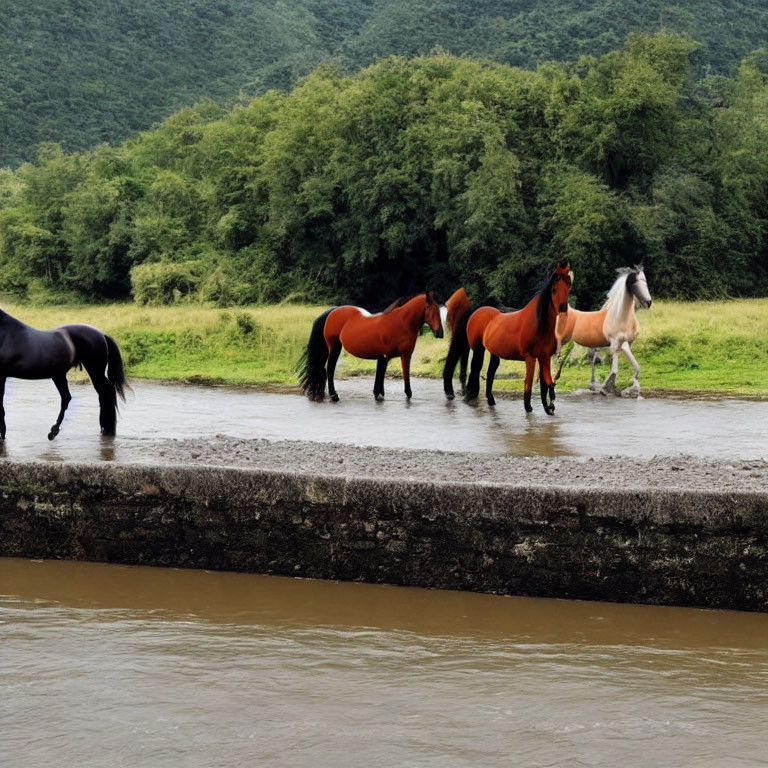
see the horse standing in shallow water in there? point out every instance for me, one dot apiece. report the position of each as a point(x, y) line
point(528, 334)
point(614, 326)
point(380, 337)
point(456, 307)
point(26, 353)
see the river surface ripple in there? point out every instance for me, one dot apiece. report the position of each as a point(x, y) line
point(113, 665)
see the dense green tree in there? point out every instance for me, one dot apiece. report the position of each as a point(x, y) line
point(429, 172)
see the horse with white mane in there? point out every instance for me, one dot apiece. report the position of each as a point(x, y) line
point(615, 325)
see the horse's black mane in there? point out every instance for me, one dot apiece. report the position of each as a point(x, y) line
point(542, 302)
point(401, 301)
point(404, 300)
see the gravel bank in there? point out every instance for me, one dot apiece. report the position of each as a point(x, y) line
point(682, 472)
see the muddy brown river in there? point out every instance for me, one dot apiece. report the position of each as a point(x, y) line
point(121, 666)
point(584, 426)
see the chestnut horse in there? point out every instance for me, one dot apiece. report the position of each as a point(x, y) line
point(380, 337)
point(614, 326)
point(26, 353)
point(528, 334)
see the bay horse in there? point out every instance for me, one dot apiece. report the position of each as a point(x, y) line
point(380, 337)
point(456, 307)
point(527, 334)
point(615, 325)
point(26, 353)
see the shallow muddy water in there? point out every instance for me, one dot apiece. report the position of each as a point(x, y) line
point(585, 425)
point(113, 665)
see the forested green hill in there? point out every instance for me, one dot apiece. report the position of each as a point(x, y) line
point(431, 171)
point(81, 72)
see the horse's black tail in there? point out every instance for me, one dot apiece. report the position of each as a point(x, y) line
point(115, 369)
point(311, 366)
point(457, 351)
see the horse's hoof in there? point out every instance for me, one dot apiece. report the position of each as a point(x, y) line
point(449, 397)
point(609, 385)
point(491, 401)
point(631, 391)
point(378, 398)
point(595, 386)
point(108, 432)
point(51, 435)
point(335, 398)
point(409, 395)
point(529, 408)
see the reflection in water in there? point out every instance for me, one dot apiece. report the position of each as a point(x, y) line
point(106, 448)
point(584, 425)
point(162, 667)
point(539, 436)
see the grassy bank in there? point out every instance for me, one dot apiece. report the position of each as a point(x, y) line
point(718, 347)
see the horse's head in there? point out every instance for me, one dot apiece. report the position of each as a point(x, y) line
point(561, 287)
point(637, 285)
point(432, 314)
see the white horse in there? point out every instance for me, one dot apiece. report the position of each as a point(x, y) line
point(615, 325)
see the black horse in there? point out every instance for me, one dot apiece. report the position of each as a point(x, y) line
point(26, 353)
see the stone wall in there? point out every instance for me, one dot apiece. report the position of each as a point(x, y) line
point(662, 547)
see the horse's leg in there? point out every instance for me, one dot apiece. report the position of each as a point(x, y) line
point(609, 385)
point(463, 361)
point(381, 372)
point(2, 409)
point(107, 398)
point(547, 385)
point(405, 364)
point(530, 369)
point(333, 357)
point(61, 385)
point(493, 364)
point(634, 388)
point(594, 383)
point(473, 383)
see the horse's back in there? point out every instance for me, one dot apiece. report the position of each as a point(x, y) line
point(507, 334)
point(585, 328)
point(89, 343)
point(368, 336)
point(477, 324)
point(28, 353)
point(338, 319)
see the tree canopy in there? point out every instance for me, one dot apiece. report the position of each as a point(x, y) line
point(435, 171)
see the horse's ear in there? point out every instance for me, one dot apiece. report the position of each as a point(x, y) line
point(430, 297)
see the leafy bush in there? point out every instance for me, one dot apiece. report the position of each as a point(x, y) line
point(166, 283)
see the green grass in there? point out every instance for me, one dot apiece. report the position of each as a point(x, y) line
point(707, 347)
